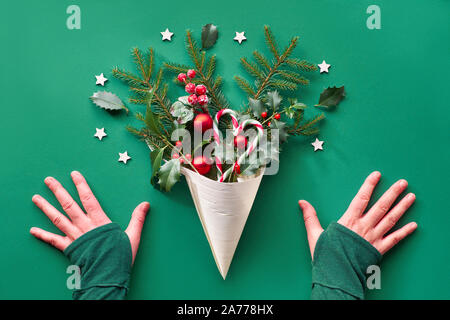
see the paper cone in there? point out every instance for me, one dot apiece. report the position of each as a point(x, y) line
point(223, 209)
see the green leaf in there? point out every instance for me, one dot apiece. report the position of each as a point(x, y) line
point(331, 96)
point(282, 130)
point(209, 35)
point(273, 99)
point(169, 174)
point(152, 121)
point(181, 112)
point(294, 108)
point(257, 106)
point(107, 100)
point(156, 159)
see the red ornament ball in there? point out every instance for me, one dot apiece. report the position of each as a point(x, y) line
point(202, 164)
point(200, 89)
point(203, 122)
point(191, 73)
point(202, 100)
point(240, 142)
point(192, 99)
point(277, 116)
point(182, 77)
point(190, 88)
point(264, 114)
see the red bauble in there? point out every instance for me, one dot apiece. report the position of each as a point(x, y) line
point(264, 114)
point(192, 99)
point(277, 116)
point(190, 88)
point(200, 89)
point(202, 100)
point(202, 164)
point(240, 142)
point(182, 77)
point(203, 122)
point(191, 73)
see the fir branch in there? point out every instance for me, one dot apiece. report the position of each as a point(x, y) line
point(301, 64)
point(270, 40)
point(308, 128)
point(293, 77)
point(175, 67)
point(282, 84)
point(253, 69)
point(261, 60)
point(245, 85)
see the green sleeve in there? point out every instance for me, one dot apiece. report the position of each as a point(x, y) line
point(340, 262)
point(104, 257)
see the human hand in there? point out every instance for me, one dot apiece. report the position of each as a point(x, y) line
point(374, 224)
point(81, 222)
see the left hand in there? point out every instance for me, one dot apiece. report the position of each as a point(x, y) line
point(80, 222)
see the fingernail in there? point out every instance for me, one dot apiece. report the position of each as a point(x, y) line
point(35, 198)
point(403, 183)
point(146, 205)
point(48, 180)
point(376, 174)
point(411, 196)
point(300, 203)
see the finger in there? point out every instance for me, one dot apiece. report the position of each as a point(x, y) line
point(395, 237)
point(312, 224)
point(55, 240)
point(68, 204)
point(90, 203)
point(134, 228)
point(57, 218)
point(362, 198)
point(382, 206)
point(389, 220)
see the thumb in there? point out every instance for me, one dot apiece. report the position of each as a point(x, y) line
point(134, 228)
point(312, 224)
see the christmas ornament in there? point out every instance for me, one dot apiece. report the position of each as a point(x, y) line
point(101, 79)
point(203, 122)
point(240, 142)
point(240, 37)
point(167, 35)
point(100, 133)
point(200, 89)
point(202, 164)
point(324, 67)
point(124, 157)
point(317, 144)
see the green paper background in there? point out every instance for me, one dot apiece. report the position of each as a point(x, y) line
point(395, 119)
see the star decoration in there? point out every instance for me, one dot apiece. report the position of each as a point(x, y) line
point(124, 157)
point(100, 134)
point(167, 35)
point(101, 79)
point(240, 37)
point(324, 66)
point(318, 145)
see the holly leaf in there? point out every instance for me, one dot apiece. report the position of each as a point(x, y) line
point(209, 35)
point(156, 159)
point(152, 121)
point(108, 101)
point(274, 99)
point(257, 107)
point(292, 110)
point(281, 127)
point(331, 97)
point(169, 174)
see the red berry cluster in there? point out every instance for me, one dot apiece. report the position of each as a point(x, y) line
point(276, 116)
point(197, 93)
point(176, 155)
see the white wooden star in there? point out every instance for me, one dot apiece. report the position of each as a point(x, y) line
point(100, 133)
point(318, 145)
point(240, 37)
point(324, 66)
point(167, 35)
point(124, 157)
point(101, 79)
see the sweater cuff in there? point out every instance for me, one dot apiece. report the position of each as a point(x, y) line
point(104, 257)
point(341, 259)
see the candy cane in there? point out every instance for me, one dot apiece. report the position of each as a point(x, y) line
point(216, 132)
point(250, 148)
point(237, 130)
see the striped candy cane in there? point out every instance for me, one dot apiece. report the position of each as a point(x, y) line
point(237, 129)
